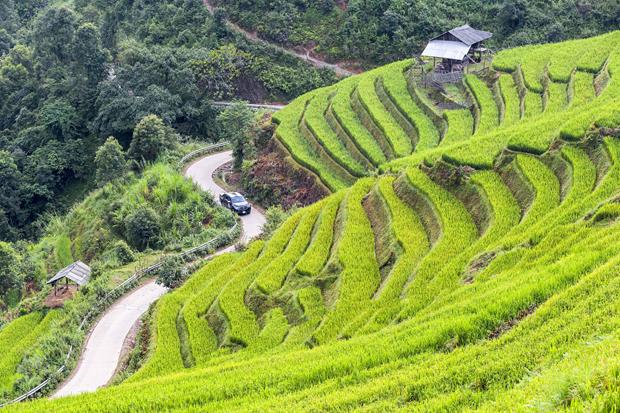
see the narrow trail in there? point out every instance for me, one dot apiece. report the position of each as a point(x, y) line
point(103, 349)
point(307, 56)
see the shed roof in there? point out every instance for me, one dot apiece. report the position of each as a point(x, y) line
point(446, 49)
point(78, 272)
point(469, 35)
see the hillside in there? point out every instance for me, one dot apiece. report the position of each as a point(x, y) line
point(73, 73)
point(467, 259)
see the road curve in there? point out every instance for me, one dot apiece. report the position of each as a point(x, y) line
point(202, 172)
point(104, 345)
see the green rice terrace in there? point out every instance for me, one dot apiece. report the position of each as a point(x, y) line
point(467, 259)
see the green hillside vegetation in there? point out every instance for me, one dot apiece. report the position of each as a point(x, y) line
point(73, 73)
point(478, 273)
point(118, 229)
point(158, 209)
point(380, 32)
point(16, 339)
point(138, 215)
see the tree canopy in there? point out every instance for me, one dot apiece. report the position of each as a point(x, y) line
point(75, 73)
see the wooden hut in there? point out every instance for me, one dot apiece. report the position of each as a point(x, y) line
point(78, 272)
point(457, 48)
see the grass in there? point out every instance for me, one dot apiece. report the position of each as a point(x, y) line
point(348, 119)
point(512, 102)
point(398, 139)
point(315, 119)
point(488, 114)
point(460, 125)
point(16, 339)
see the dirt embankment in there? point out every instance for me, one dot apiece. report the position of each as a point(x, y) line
point(274, 179)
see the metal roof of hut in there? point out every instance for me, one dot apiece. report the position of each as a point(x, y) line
point(469, 35)
point(78, 272)
point(446, 49)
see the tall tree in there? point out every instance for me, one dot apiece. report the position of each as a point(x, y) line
point(110, 162)
point(238, 125)
point(9, 262)
point(10, 197)
point(149, 139)
point(53, 36)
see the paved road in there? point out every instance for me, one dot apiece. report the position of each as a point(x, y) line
point(202, 171)
point(103, 348)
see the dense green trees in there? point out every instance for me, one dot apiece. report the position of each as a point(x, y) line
point(74, 73)
point(8, 269)
point(237, 124)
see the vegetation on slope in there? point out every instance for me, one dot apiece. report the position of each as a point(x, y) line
point(380, 32)
point(74, 73)
point(470, 276)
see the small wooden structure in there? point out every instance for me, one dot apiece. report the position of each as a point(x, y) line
point(457, 48)
point(78, 272)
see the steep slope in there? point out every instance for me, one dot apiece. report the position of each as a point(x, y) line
point(475, 274)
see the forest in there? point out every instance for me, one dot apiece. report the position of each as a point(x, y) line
point(374, 32)
point(72, 77)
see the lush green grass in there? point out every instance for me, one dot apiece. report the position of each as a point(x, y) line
point(396, 136)
point(289, 134)
point(16, 339)
point(271, 278)
point(315, 257)
point(315, 119)
point(512, 102)
point(487, 117)
point(586, 55)
point(350, 122)
point(557, 97)
point(355, 254)
point(394, 79)
point(460, 125)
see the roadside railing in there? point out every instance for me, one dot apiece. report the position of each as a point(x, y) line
point(203, 151)
point(126, 285)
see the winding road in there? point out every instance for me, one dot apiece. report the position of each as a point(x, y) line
point(104, 346)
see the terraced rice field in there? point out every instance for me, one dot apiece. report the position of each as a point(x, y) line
point(478, 271)
point(16, 339)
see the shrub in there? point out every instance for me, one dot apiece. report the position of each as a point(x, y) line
point(142, 228)
point(274, 216)
point(149, 139)
point(123, 252)
point(110, 162)
point(172, 272)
